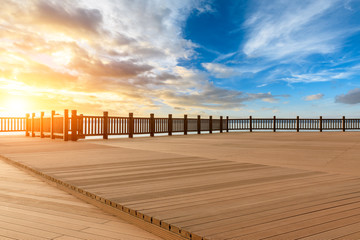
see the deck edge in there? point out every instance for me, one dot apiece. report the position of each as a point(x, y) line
point(155, 226)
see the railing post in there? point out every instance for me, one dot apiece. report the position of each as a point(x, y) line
point(42, 124)
point(52, 136)
point(81, 125)
point(33, 124)
point(27, 125)
point(152, 125)
point(210, 124)
point(73, 125)
point(221, 124)
point(227, 123)
point(66, 125)
point(343, 124)
point(105, 125)
point(131, 125)
point(199, 124)
point(320, 124)
point(297, 123)
point(250, 123)
point(274, 126)
point(170, 125)
point(185, 124)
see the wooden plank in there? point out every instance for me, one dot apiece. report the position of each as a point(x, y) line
point(31, 209)
point(66, 238)
point(102, 233)
point(28, 230)
point(269, 210)
point(350, 236)
point(281, 229)
point(333, 229)
point(231, 186)
point(40, 220)
point(18, 235)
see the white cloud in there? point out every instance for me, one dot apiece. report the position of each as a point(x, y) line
point(270, 100)
point(194, 90)
point(285, 28)
point(319, 76)
point(127, 56)
point(220, 70)
point(152, 26)
point(307, 78)
point(314, 97)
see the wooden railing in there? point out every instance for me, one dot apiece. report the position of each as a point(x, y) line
point(77, 126)
point(12, 124)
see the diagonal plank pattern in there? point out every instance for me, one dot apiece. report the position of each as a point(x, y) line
point(32, 209)
point(225, 200)
point(207, 195)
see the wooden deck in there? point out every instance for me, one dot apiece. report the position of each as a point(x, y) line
point(32, 209)
point(229, 186)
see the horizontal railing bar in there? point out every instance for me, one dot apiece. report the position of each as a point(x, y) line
point(93, 117)
point(87, 125)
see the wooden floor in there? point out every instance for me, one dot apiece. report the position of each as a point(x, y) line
point(226, 200)
point(213, 197)
point(32, 209)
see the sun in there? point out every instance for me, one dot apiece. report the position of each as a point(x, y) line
point(16, 105)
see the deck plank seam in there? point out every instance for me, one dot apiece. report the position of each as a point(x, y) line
point(180, 233)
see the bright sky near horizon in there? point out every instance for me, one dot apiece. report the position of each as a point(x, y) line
point(215, 57)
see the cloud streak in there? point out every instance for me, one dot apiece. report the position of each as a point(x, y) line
point(220, 70)
point(130, 54)
point(300, 28)
point(331, 74)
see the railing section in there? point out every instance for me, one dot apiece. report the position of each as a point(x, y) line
point(285, 124)
point(35, 125)
point(192, 124)
point(58, 126)
point(141, 125)
point(352, 124)
point(118, 125)
point(178, 124)
point(205, 125)
point(161, 125)
point(239, 124)
point(332, 124)
point(216, 124)
point(262, 124)
point(78, 126)
point(12, 124)
point(309, 124)
point(93, 126)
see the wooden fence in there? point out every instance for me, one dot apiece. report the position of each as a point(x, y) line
point(76, 126)
point(12, 124)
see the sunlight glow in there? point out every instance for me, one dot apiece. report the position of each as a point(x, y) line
point(62, 57)
point(16, 105)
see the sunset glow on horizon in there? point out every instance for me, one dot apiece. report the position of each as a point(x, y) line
point(209, 57)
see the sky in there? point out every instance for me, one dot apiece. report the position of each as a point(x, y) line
point(234, 58)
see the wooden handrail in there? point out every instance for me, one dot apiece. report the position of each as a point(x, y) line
point(56, 125)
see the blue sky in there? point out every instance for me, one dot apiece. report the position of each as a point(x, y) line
point(306, 53)
point(209, 57)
